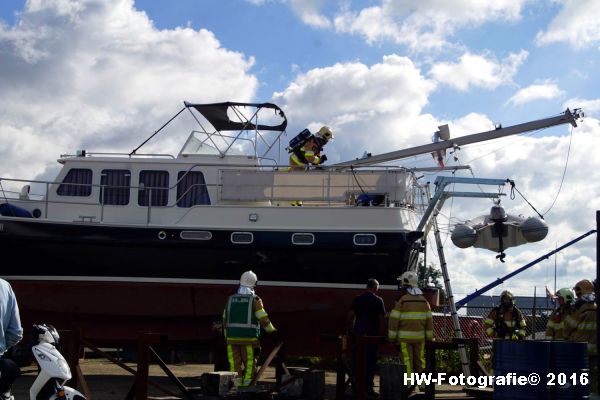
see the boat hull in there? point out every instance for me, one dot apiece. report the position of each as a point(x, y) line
point(115, 282)
point(116, 313)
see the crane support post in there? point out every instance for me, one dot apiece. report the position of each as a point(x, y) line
point(566, 117)
point(442, 181)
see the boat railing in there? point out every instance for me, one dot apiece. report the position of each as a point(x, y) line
point(111, 154)
point(327, 191)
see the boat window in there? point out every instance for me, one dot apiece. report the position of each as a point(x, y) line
point(242, 237)
point(365, 239)
point(196, 235)
point(191, 189)
point(156, 182)
point(303, 238)
point(78, 182)
point(115, 187)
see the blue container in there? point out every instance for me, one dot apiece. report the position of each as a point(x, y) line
point(370, 199)
point(571, 360)
point(9, 210)
point(522, 358)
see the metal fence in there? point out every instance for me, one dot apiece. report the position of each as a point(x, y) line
point(472, 326)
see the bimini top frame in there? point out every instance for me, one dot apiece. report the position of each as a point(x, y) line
point(248, 119)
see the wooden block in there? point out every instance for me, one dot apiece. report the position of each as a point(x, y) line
point(391, 381)
point(217, 383)
point(314, 385)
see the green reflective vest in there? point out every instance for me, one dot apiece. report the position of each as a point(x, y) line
point(240, 320)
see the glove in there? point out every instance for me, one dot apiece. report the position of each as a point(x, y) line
point(276, 336)
point(323, 158)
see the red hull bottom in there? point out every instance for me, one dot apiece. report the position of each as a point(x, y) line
point(116, 313)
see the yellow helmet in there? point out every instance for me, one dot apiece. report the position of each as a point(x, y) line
point(324, 134)
point(583, 287)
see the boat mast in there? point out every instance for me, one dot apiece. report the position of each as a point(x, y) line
point(568, 116)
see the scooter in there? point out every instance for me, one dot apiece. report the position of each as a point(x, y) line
point(54, 371)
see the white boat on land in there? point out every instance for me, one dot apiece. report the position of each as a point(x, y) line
point(124, 243)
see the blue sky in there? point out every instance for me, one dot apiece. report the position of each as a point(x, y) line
point(102, 75)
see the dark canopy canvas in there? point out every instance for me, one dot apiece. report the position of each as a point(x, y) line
point(216, 114)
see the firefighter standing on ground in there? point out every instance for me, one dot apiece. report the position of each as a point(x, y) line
point(310, 152)
point(506, 321)
point(556, 321)
point(243, 317)
point(411, 323)
point(580, 326)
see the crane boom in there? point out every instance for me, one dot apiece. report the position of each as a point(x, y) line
point(566, 117)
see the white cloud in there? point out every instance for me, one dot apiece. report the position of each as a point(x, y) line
point(307, 10)
point(79, 73)
point(576, 24)
point(380, 108)
point(395, 84)
point(539, 91)
point(478, 70)
point(423, 25)
point(590, 107)
point(362, 101)
point(536, 164)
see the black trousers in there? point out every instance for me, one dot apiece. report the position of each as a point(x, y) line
point(9, 371)
point(370, 364)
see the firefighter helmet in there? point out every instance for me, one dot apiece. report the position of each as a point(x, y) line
point(325, 134)
point(567, 295)
point(508, 294)
point(248, 279)
point(584, 286)
point(409, 278)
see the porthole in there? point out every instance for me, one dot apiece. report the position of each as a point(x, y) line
point(162, 235)
point(365, 239)
point(305, 239)
point(196, 235)
point(242, 237)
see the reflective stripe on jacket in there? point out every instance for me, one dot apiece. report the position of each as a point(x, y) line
point(580, 326)
point(305, 155)
point(505, 323)
point(556, 322)
point(411, 320)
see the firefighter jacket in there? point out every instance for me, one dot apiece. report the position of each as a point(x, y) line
point(243, 316)
point(505, 323)
point(556, 322)
point(580, 325)
point(410, 321)
point(309, 153)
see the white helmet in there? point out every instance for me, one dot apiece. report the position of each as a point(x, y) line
point(324, 134)
point(248, 279)
point(409, 278)
point(567, 295)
